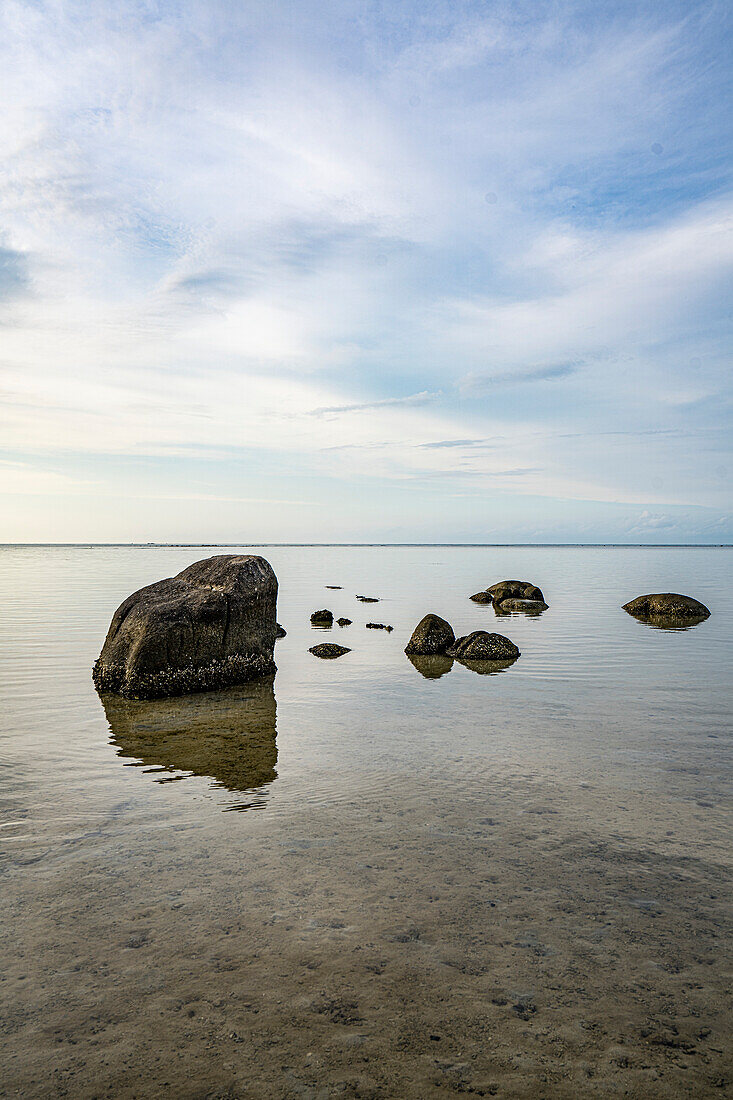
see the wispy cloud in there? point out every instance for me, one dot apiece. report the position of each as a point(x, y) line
point(282, 245)
point(411, 399)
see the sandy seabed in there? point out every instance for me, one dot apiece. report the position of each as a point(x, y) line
point(520, 939)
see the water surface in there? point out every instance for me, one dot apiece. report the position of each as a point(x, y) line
point(340, 865)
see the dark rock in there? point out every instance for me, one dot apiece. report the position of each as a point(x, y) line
point(531, 607)
point(379, 626)
point(335, 587)
point(482, 646)
point(519, 590)
point(368, 599)
point(280, 632)
point(210, 626)
point(322, 618)
point(432, 668)
point(227, 735)
point(432, 635)
point(344, 622)
point(482, 597)
point(667, 609)
point(328, 650)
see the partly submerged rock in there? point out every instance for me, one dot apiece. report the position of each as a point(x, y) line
point(531, 607)
point(226, 735)
point(431, 636)
point(518, 590)
point(280, 632)
point(210, 626)
point(328, 650)
point(432, 668)
point(482, 646)
point(667, 609)
point(344, 622)
point(322, 618)
point(368, 599)
point(379, 626)
point(335, 587)
point(482, 597)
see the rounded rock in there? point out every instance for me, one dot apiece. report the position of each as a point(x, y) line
point(431, 636)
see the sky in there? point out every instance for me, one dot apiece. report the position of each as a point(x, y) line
point(341, 270)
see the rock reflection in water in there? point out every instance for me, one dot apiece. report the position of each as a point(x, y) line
point(433, 667)
point(228, 736)
point(666, 622)
point(487, 668)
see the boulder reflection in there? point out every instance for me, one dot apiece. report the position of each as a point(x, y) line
point(668, 622)
point(432, 668)
point(228, 736)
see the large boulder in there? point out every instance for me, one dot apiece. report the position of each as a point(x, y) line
point(482, 646)
point(431, 636)
point(322, 618)
point(667, 609)
point(210, 626)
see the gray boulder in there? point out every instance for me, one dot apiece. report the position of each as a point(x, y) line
point(667, 609)
point(482, 646)
point(431, 636)
point(210, 626)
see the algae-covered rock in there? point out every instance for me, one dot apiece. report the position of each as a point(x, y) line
point(328, 650)
point(482, 646)
point(667, 609)
point(210, 626)
point(519, 590)
point(531, 607)
point(322, 618)
point(431, 636)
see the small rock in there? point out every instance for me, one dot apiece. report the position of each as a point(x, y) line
point(322, 618)
point(431, 636)
point(368, 599)
point(482, 646)
point(328, 650)
point(280, 632)
point(335, 587)
point(344, 622)
point(379, 626)
point(482, 597)
point(531, 607)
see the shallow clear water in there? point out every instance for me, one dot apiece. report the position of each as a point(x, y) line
point(599, 706)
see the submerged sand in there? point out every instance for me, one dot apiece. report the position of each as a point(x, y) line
point(524, 939)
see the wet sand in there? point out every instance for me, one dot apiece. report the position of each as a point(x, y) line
point(523, 940)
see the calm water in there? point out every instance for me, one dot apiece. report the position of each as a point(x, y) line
point(598, 702)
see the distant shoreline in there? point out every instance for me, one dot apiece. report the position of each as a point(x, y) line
point(374, 545)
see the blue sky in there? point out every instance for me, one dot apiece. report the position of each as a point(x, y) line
point(365, 272)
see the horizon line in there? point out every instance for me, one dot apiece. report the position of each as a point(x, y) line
point(305, 545)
